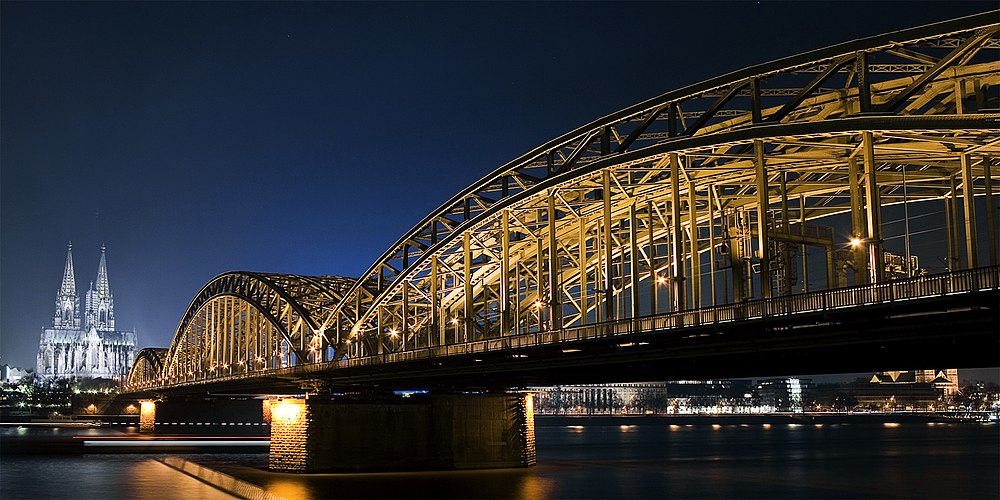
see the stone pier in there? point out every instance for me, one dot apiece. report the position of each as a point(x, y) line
point(448, 431)
point(147, 416)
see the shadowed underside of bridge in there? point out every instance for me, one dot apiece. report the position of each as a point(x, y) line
point(701, 233)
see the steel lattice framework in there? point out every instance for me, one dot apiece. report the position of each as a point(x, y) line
point(147, 367)
point(698, 197)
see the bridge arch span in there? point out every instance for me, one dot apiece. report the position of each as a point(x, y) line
point(147, 369)
point(745, 186)
point(242, 322)
point(767, 150)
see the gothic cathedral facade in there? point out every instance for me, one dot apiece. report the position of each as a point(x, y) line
point(86, 347)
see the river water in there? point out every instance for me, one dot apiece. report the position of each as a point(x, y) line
point(592, 460)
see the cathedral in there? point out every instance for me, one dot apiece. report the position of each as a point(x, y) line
point(87, 347)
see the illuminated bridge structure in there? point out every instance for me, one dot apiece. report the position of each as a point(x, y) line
point(770, 220)
point(690, 210)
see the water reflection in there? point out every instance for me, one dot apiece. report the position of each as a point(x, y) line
point(592, 461)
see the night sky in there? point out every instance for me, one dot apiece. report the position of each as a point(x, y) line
point(198, 138)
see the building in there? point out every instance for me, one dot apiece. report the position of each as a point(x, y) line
point(912, 389)
point(12, 374)
point(783, 394)
point(945, 380)
point(88, 346)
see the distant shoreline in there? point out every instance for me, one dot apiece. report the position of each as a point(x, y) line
point(766, 418)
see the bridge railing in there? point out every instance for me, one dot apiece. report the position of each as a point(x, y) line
point(922, 287)
point(963, 281)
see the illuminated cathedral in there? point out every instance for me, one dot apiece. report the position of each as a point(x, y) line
point(86, 347)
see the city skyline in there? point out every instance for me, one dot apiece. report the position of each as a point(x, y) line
point(260, 188)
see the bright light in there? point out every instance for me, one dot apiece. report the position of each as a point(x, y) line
point(286, 411)
point(661, 280)
point(454, 321)
point(538, 304)
point(393, 332)
point(855, 242)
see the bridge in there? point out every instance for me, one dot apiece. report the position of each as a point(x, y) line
point(774, 218)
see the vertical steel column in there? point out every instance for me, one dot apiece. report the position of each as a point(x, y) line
point(858, 231)
point(651, 261)
point(786, 257)
point(695, 253)
point(467, 333)
point(864, 83)
point(969, 202)
point(873, 203)
point(676, 258)
point(555, 294)
point(404, 329)
point(583, 270)
point(805, 248)
point(991, 224)
point(711, 242)
point(951, 221)
point(539, 277)
point(438, 323)
point(609, 311)
point(633, 260)
point(378, 330)
point(505, 272)
point(762, 203)
point(959, 95)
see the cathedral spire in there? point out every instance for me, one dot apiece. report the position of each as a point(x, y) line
point(67, 302)
point(102, 275)
point(100, 301)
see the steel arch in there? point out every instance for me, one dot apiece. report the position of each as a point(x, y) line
point(251, 321)
point(147, 369)
point(900, 86)
point(618, 219)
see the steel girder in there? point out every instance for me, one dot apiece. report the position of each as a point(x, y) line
point(915, 100)
point(243, 322)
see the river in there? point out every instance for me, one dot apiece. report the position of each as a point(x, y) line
point(588, 459)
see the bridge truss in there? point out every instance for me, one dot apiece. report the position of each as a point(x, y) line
point(710, 195)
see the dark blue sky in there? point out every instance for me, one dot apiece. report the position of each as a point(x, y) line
point(198, 138)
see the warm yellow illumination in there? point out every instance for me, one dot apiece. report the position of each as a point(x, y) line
point(855, 242)
point(538, 304)
point(393, 332)
point(454, 321)
point(661, 280)
point(286, 411)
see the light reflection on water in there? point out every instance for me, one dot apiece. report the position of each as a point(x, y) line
point(591, 461)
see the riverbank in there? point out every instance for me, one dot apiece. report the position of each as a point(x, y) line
point(761, 418)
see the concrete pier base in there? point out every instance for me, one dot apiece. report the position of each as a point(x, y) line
point(147, 416)
point(464, 431)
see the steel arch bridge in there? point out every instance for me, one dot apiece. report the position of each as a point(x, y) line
point(709, 195)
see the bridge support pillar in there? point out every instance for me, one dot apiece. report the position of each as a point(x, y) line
point(464, 431)
point(147, 416)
